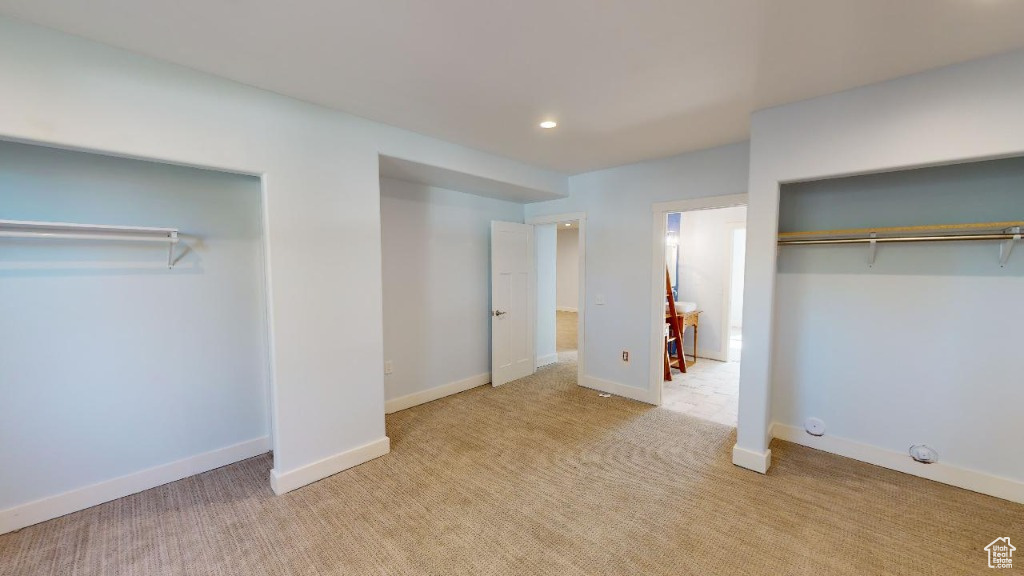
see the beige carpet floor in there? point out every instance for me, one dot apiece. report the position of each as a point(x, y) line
point(537, 477)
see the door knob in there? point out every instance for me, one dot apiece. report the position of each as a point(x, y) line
point(499, 312)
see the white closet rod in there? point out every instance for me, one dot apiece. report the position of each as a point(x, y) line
point(1008, 232)
point(86, 236)
point(103, 232)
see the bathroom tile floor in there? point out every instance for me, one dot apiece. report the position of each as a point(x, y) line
point(708, 390)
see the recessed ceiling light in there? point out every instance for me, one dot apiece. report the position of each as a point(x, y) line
point(548, 124)
point(567, 224)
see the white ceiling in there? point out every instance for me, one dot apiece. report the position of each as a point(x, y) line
point(627, 80)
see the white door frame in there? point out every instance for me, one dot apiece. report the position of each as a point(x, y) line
point(581, 298)
point(660, 212)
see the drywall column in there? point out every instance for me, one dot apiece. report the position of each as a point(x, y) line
point(752, 435)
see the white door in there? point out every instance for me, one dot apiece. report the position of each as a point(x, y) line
point(512, 302)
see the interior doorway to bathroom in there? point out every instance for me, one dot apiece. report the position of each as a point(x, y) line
point(704, 262)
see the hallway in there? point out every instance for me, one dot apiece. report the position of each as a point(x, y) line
point(565, 335)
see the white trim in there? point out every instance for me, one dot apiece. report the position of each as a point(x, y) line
point(607, 386)
point(549, 359)
point(557, 218)
point(581, 298)
point(566, 309)
point(974, 480)
point(657, 317)
point(429, 395)
point(88, 496)
point(283, 482)
point(756, 461)
point(659, 212)
point(267, 316)
point(713, 354)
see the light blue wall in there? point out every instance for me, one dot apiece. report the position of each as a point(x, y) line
point(618, 202)
point(109, 362)
point(987, 191)
point(437, 275)
point(924, 346)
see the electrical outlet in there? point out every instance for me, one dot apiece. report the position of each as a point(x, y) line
point(625, 356)
point(388, 367)
point(599, 300)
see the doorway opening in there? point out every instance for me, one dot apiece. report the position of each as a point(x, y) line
point(560, 314)
point(567, 290)
point(702, 302)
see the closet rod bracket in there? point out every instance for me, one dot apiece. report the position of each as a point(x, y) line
point(872, 249)
point(1007, 246)
point(172, 238)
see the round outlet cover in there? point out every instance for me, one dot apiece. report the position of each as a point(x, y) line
point(924, 454)
point(814, 426)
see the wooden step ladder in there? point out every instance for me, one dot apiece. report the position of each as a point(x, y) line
point(675, 333)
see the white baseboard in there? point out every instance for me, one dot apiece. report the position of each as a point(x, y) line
point(88, 496)
point(712, 355)
point(431, 394)
point(609, 387)
point(565, 309)
point(752, 460)
point(545, 360)
point(974, 480)
point(283, 482)
point(703, 353)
